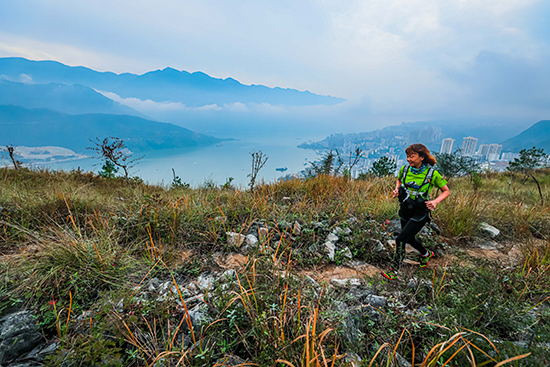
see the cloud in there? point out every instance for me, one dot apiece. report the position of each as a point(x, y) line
point(500, 80)
point(416, 58)
point(25, 79)
point(148, 106)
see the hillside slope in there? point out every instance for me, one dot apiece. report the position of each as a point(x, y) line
point(42, 127)
point(537, 135)
point(73, 99)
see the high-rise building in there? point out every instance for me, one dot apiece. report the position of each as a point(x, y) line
point(447, 146)
point(509, 156)
point(493, 152)
point(483, 150)
point(468, 145)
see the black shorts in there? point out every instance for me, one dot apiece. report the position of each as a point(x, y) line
point(417, 213)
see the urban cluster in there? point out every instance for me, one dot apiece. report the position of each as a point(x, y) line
point(489, 156)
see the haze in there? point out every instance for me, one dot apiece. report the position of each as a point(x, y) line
point(393, 60)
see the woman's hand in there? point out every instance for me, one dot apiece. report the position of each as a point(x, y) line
point(397, 186)
point(431, 204)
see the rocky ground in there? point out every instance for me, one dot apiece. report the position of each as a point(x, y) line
point(23, 345)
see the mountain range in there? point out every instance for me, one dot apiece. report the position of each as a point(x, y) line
point(166, 85)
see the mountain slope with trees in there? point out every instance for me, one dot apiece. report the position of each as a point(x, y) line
point(537, 135)
point(73, 99)
point(42, 127)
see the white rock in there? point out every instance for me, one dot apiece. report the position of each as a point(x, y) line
point(378, 246)
point(337, 230)
point(330, 247)
point(332, 237)
point(347, 231)
point(263, 232)
point(235, 239)
point(204, 282)
point(347, 253)
point(352, 282)
point(251, 240)
point(228, 275)
point(376, 301)
point(488, 229)
point(297, 228)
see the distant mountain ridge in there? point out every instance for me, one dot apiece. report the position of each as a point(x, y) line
point(537, 135)
point(73, 99)
point(43, 127)
point(167, 85)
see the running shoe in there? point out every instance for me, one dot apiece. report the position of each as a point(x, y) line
point(390, 274)
point(425, 260)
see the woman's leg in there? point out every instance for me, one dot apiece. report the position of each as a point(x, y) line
point(410, 228)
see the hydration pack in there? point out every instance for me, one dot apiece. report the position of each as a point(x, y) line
point(406, 190)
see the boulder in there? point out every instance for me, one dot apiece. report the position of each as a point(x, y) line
point(18, 335)
point(17, 323)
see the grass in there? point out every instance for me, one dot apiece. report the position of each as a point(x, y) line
point(75, 247)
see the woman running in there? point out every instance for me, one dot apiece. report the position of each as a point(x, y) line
point(414, 183)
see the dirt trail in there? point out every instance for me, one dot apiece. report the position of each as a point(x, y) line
point(508, 253)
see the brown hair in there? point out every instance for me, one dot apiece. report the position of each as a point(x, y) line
point(422, 151)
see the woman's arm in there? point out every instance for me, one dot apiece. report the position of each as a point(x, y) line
point(433, 203)
point(397, 186)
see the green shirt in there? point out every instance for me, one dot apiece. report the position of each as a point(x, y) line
point(437, 180)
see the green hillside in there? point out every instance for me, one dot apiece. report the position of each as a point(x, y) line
point(41, 127)
point(111, 273)
point(537, 135)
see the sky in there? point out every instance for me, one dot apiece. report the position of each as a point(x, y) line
point(393, 60)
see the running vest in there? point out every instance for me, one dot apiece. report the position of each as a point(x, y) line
point(416, 191)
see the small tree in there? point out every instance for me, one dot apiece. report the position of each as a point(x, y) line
point(330, 164)
point(113, 149)
point(383, 167)
point(451, 165)
point(108, 170)
point(258, 161)
point(12, 152)
point(353, 159)
point(177, 182)
point(529, 160)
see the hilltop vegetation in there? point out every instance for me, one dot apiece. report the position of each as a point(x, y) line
point(131, 274)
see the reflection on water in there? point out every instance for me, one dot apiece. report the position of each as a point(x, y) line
point(216, 163)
